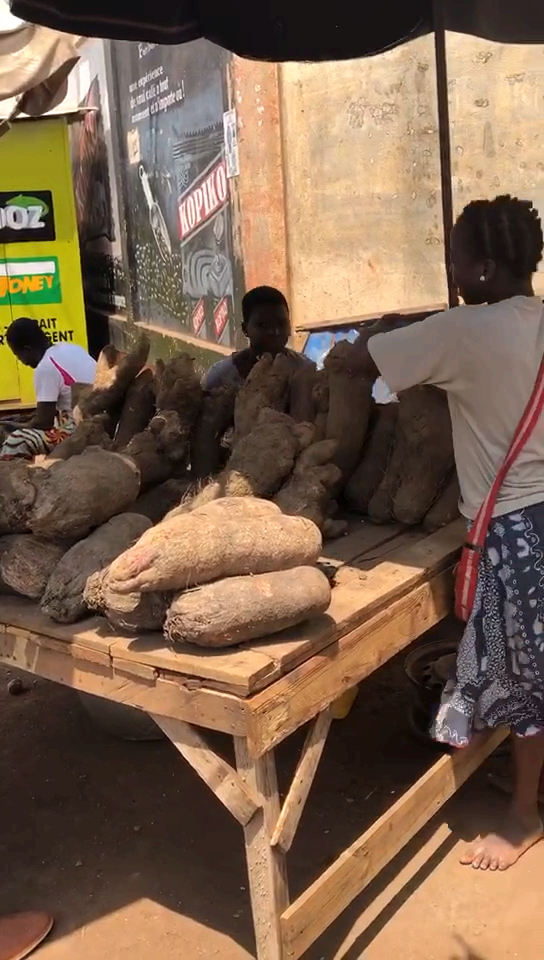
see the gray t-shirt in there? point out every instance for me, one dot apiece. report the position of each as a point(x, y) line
point(486, 358)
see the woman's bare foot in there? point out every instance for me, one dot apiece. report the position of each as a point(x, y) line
point(498, 851)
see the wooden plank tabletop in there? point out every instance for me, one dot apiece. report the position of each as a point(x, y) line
point(371, 566)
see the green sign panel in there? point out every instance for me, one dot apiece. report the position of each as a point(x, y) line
point(30, 280)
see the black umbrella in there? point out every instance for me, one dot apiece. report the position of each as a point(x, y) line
point(287, 29)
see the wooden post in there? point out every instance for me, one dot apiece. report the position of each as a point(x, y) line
point(265, 864)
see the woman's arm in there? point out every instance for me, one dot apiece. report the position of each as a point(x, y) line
point(44, 418)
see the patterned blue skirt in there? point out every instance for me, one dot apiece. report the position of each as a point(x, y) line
point(499, 676)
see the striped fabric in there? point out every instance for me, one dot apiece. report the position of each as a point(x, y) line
point(27, 443)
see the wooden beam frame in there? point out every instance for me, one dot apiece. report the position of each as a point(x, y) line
point(314, 911)
point(295, 801)
point(219, 776)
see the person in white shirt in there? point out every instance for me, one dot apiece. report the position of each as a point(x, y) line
point(57, 367)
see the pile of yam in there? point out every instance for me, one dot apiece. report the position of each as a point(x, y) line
point(147, 516)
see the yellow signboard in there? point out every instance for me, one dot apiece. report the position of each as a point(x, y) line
point(40, 273)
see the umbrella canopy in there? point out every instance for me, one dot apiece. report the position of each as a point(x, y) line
point(34, 65)
point(285, 30)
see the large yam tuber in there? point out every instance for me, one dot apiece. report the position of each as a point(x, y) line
point(26, 563)
point(109, 398)
point(350, 404)
point(426, 438)
point(63, 598)
point(239, 609)
point(138, 408)
point(178, 388)
point(265, 387)
point(88, 433)
point(376, 455)
point(158, 501)
point(320, 396)
point(446, 508)
point(18, 487)
point(78, 494)
point(307, 492)
point(302, 405)
point(216, 416)
point(128, 612)
point(192, 548)
point(260, 461)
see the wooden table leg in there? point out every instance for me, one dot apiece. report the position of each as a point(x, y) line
point(266, 864)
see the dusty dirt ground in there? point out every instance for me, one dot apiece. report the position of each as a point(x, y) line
point(126, 847)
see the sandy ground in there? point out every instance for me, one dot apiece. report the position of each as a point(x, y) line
point(133, 856)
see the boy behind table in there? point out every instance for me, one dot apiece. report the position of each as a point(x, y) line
point(266, 324)
point(57, 367)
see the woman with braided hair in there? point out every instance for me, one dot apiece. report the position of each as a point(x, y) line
point(486, 355)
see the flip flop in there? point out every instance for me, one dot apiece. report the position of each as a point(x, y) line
point(20, 933)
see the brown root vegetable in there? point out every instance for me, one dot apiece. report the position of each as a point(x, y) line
point(108, 399)
point(307, 492)
point(302, 405)
point(259, 461)
point(376, 455)
point(220, 506)
point(26, 563)
point(426, 438)
point(192, 548)
point(106, 366)
point(128, 612)
point(172, 433)
point(445, 509)
point(88, 433)
point(19, 483)
point(138, 408)
point(146, 452)
point(216, 416)
point(350, 404)
point(178, 388)
point(239, 609)
point(158, 501)
point(265, 387)
point(320, 396)
point(380, 506)
point(63, 597)
point(81, 493)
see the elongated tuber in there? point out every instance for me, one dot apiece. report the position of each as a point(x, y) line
point(265, 387)
point(138, 408)
point(350, 404)
point(426, 438)
point(445, 509)
point(26, 562)
point(63, 597)
point(78, 494)
point(376, 455)
point(128, 612)
point(239, 609)
point(191, 549)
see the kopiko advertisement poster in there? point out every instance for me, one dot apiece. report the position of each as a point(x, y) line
point(170, 105)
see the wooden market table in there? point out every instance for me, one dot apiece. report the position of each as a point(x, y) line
point(390, 586)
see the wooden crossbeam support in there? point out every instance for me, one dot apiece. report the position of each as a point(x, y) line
point(223, 781)
point(295, 801)
point(314, 911)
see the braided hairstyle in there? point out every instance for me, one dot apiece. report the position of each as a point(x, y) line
point(506, 230)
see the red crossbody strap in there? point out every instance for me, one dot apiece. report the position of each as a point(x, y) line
point(525, 428)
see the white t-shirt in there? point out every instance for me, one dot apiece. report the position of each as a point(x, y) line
point(486, 358)
point(61, 366)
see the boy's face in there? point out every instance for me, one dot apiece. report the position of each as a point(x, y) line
point(268, 328)
point(28, 356)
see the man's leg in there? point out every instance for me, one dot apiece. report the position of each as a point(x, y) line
point(523, 826)
point(20, 933)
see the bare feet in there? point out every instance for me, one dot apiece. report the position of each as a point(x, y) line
point(498, 851)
